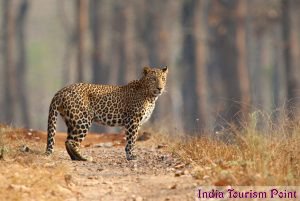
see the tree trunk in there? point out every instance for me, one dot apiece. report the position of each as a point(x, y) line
point(223, 31)
point(200, 31)
point(100, 71)
point(242, 67)
point(9, 64)
point(82, 24)
point(291, 46)
point(125, 39)
point(189, 71)
point(129, 43)
point(70, 42)
point(22, 61)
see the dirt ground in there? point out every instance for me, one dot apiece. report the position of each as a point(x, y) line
point(156, 175)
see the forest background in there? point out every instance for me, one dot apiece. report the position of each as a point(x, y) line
point(230, 61)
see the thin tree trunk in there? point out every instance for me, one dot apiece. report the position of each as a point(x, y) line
point(242, 67)
point(142, 58)
point(9, 65)
point(189, 71)
point(129, 41)
point(96, 55)
point(82, 23)
point(289, 61)
point(101, 72)
point(70, 38)
point(200, 30)
point(121, 30)
point(22, 61)
point(224, 48)
point(295, 57)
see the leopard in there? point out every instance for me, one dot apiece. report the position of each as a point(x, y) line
point(127, 106)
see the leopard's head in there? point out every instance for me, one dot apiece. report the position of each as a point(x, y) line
point(156, 79)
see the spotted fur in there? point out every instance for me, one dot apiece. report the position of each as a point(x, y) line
point(127, 106)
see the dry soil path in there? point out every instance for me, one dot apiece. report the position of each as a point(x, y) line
point(156, 175)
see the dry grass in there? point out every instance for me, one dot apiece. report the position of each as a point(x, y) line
point(271, 157)
point(249, 157)
point(25, 173)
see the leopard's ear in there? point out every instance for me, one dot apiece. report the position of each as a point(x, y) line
point(146, 70)
point(165, 69)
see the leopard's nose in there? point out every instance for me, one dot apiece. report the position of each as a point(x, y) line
point(159, 88)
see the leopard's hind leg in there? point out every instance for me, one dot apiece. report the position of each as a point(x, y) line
point(76, 134)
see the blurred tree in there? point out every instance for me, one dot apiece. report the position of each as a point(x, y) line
point(21, 38)
point(189, 71)
point(291, 55)
point(242, 68)
point(81, 31)
point(141, 9)
point(70, 42)
point(200, 34)
point(15, 61)
point(10, 68)
point(264, 58)
point(128, 43)
point(194, 19)
point(227, 45)
point(99, 13)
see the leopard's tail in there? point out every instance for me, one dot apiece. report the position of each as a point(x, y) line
point(51, 130)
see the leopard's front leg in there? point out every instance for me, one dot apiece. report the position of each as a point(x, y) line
point(131, 136)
